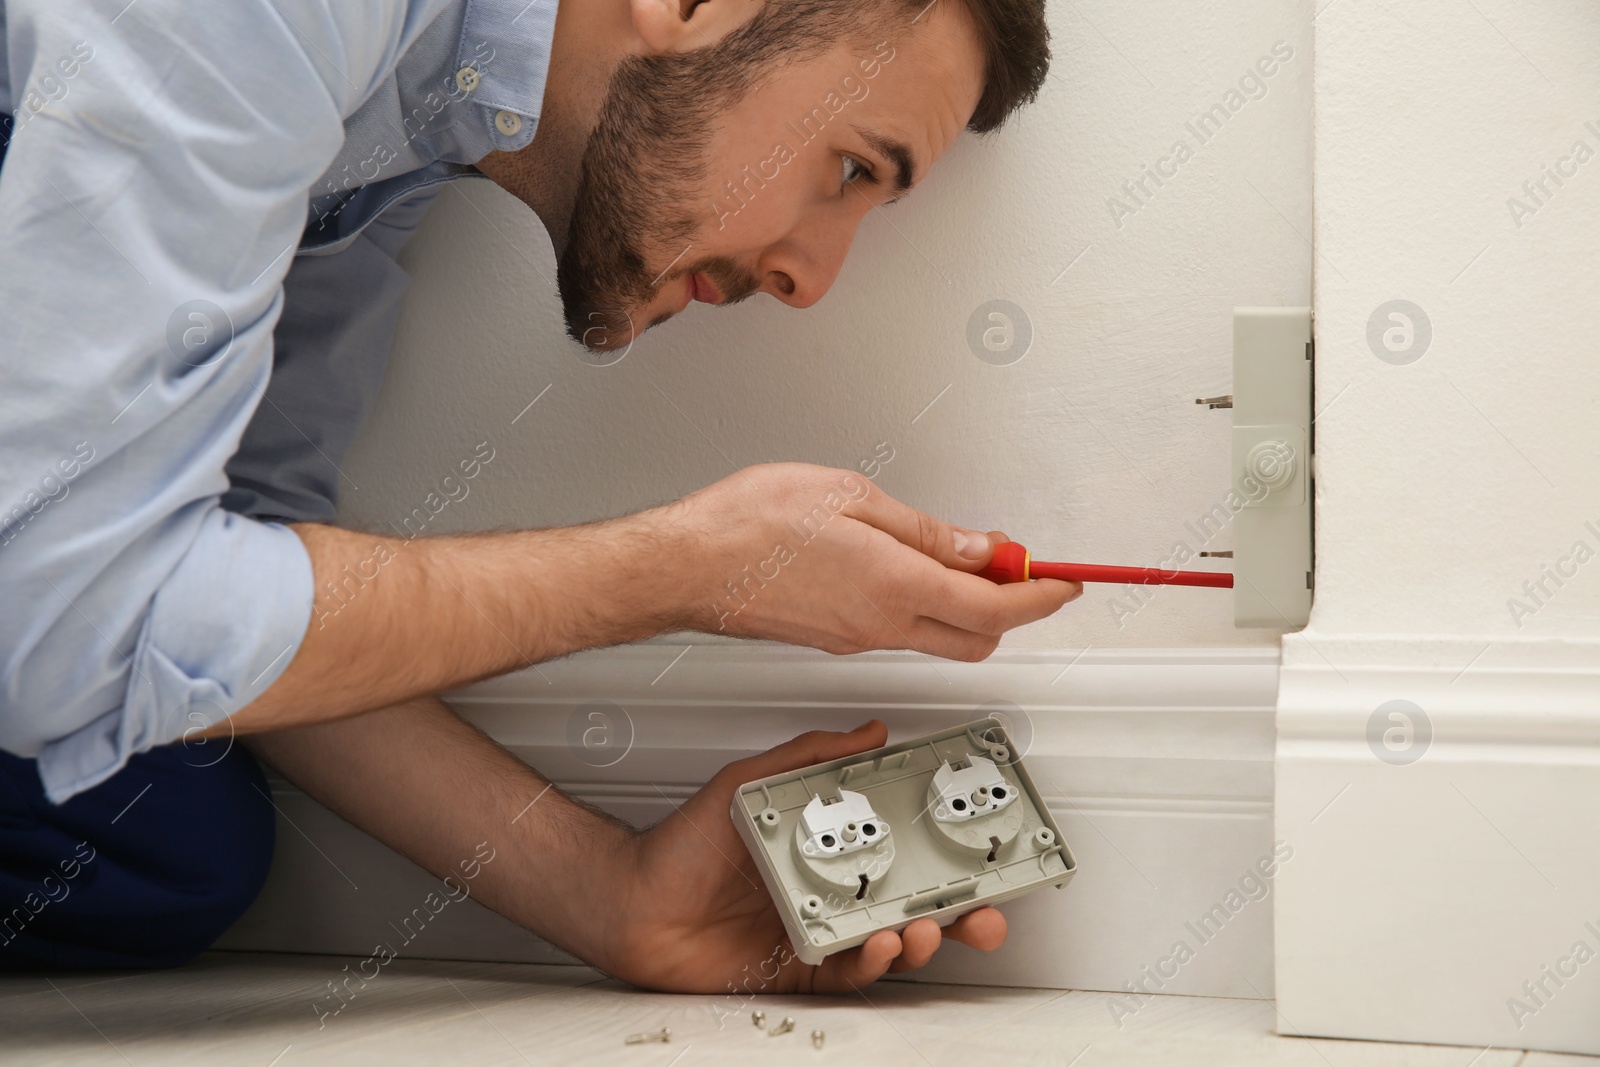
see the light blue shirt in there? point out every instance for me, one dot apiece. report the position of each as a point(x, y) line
point(200, 206)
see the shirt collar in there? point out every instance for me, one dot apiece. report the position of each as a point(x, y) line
point(508, 42)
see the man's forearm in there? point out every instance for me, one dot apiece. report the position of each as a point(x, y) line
point(432, 787)
point(396, 619)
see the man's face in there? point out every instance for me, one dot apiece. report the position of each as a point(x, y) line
point(695, 190)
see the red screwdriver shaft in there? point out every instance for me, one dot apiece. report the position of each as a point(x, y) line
point(1012, 563)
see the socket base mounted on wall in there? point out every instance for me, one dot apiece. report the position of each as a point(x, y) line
point(1272, 467)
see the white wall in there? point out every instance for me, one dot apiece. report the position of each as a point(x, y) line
point(1089, 448)
point(1425, 893)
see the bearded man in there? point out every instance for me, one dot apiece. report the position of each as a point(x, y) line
point(200, 209)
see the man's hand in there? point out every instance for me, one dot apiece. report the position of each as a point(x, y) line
point(823, 557)
point(694, 916)
point(677, 907)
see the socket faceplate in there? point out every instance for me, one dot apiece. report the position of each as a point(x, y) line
point(935, 868)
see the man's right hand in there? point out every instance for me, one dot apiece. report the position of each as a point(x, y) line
point(823, 557)
point(787, 552)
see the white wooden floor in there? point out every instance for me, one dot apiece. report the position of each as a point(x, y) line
point(261, 1011)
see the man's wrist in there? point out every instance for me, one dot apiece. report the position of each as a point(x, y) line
point(669, 563)
point(580, 865)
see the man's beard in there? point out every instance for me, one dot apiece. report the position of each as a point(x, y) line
point(643, 166)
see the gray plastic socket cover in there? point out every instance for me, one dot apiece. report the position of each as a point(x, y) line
point(936, 827)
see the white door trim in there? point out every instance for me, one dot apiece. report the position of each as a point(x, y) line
point(1425, 893)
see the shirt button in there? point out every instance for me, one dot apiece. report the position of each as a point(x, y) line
point(466, 79)
point(508, 122)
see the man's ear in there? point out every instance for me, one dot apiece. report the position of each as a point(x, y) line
point(683, 25)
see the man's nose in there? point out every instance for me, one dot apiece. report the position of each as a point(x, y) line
point(801, 268)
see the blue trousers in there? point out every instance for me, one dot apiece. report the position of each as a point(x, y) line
point(147, 869)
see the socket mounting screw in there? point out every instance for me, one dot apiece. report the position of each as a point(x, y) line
point(663, 1035)
point(817, 1037)
point(759, 1018)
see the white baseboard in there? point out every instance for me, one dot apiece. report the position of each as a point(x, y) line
point(1423, 896)
point(1158, 764)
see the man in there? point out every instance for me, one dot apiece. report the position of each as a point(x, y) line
point(200, 206)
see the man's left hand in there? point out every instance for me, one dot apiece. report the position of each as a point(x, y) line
point(696, 916)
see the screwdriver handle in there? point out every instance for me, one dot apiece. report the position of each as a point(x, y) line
point(1013, 563)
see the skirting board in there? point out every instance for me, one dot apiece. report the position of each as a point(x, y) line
point(1445, 877)
point(1158, 764)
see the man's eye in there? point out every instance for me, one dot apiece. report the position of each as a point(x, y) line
point(853, 170)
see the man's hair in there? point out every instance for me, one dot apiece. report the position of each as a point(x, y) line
point(1015, 43)
point(1012, 38)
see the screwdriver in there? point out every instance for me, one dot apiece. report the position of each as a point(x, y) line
point(1013, 563)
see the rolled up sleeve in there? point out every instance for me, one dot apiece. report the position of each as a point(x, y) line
point(220, 629)
point(150, 203)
